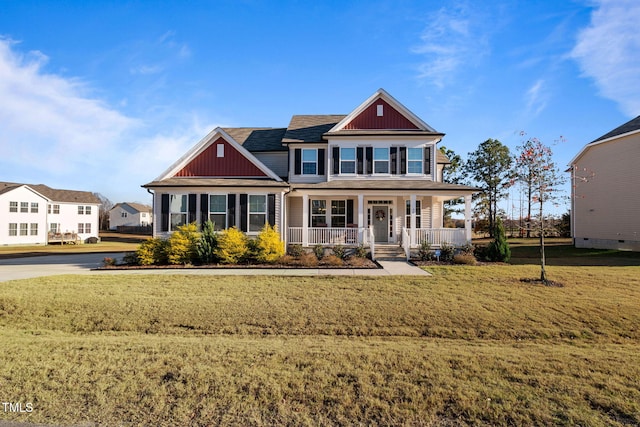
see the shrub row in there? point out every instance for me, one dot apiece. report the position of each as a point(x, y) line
point(231, 246)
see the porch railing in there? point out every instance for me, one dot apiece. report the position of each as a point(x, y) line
point(355, 236)
point(325, 235)
point(438, 236)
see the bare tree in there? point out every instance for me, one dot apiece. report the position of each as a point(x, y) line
point(105, 206)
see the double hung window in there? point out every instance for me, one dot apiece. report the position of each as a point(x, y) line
point(178, 207)
point(414, 160)
point(80, 210)
point(309, 161)
point(13, 229)
point(257, 212)
point(218, 211)
point(34, 229)
point(13, 206)
point(24, 229)
point(380, 160)
point(24, 207)
point(34, 207)
point(318, 213)
point(338, 213)
point(347, 160)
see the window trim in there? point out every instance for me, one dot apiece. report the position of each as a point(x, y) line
point(332, 215)
point(24, 207)
point(249, 212)
point(303, 161)
point(13, 207)
point(354, 161)
point(35, 208)
point(421, 160)
point(13, 229)
point(224, 212)
point(320, 216)
point(184, 213)
point(24, 229)
point(387, 161)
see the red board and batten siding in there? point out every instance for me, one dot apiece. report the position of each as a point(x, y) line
point(390, 119)
point(208, 163)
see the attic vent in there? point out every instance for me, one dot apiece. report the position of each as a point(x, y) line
point(380, 110)
point(220, 150)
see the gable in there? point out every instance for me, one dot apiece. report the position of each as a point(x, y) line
point(231, 164)
point(380, 115)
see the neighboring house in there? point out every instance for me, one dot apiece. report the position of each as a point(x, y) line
point(38, 214)
point(374, 175)
point(130, 215)
point(605, 203)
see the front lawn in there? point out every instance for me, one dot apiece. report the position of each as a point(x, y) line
point(468, 346)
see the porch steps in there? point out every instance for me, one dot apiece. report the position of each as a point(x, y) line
point(389, 253)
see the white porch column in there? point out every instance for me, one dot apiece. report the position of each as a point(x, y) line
point(360, 218)
point(467, 217)
point(305, 220)
point(413, 219)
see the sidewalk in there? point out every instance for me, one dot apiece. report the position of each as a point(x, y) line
point(26, 268)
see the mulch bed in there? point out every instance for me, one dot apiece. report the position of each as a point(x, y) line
point(366, 264)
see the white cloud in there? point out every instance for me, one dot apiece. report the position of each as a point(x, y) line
point(53, 131)
point(536, 98)
point(608, 51)
point(453, 39)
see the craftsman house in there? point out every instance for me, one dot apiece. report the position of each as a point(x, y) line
point(373, 176)
point(38, 214)
point(605, 205)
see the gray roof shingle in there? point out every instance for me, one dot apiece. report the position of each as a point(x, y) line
point(630, 126)
point(54, 194)
point(310, 128)
point(258, 139)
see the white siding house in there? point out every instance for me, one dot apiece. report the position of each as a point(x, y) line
point(130, 215)
point(38, 214)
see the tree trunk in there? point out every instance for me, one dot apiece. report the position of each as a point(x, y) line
point(529, 210)
point(543, 273)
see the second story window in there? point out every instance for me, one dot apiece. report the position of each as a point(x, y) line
point(80, 210)
point(380, 160)
point(24, 207)
point(309, 162)
point(347, 160)
point(13, 206)
point(414, 160)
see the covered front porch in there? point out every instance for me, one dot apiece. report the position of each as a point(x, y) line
point(368, 217)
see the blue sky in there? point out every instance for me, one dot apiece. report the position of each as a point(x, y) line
point(104, 96)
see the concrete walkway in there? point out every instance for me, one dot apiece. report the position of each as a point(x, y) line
point(40, 266)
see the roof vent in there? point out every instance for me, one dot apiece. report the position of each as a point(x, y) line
point(380, 110)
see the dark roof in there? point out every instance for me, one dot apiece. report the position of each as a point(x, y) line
point(630, 126)
point(54, 194)
point(216, 182)
point(384, 184)
point(258, 139)
point(310, 128)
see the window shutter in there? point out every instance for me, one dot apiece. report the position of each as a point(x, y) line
point(271, 209)
point(298, 161)
point(336, 160)
point(427, 160)
point(360, 157)
point(349, 212)
point(403, 160)
point(164, 212)
point(243, 212)
point(394, 160)
point(192, 208)
point(204, 208)
point(369, 152)
point(321, 161)
point(231, 210)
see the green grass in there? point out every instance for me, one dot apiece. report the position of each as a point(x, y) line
point(468, 346)
point(110, 242)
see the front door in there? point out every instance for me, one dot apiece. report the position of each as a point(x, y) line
point(381, 223)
